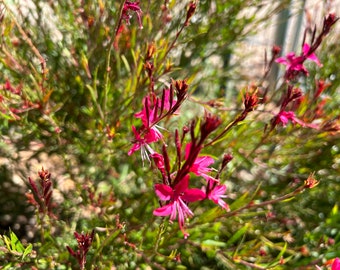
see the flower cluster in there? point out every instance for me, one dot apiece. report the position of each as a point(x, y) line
point(128, 7)
point(41, 196)
point(295, 64)
point(174, 193)
point(335, 265)
point(84, 244)
point(154, 110)
point(178, 189)
point(294, 68)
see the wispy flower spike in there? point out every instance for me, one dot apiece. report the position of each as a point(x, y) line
point(178, 148)
point(42, 194)
point(162, 102)
point(134, 7)
point(84, 244)
point(171, 97)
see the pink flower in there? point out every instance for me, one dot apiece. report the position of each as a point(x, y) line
point(294, 64)
point(310, 56)
point(216, 193)
point(336, 264)
point(159, 162)
point(177, 198)
point(148, 113)
point(152, 107)
point(284, 116)
point(200, 166)
point(132, 6)
point(149, 132)
point(142, 141)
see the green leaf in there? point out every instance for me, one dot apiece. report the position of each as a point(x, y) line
point(214, 243)
point(241, 201)
point(282, 251)
point(237, 235)
point(210, 215)
point(15, 243)
point(27, 251)
point(7, 242)
point(126, 63)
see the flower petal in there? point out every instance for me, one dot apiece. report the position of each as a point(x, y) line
point(194, 194)
point(163, 211)
point(164, 192)
point(182, 186)
point(336, 264)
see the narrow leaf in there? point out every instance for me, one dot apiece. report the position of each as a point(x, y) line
point(237, 235)
point(27, 251)
point(15, 243)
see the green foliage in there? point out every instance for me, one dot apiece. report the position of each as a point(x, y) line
point(74, 74)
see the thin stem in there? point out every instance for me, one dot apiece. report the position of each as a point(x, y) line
point(119, 21)
point(30, 44)
point(273, 201)
point(226, 129)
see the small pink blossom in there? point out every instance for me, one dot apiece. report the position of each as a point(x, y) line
point(142, 141)
point(200, 166)
point(294, 64)
point(336, 264)
point(159, 162)
point(285, 116)
point(134, 7)
point(217, 193)
point(149, 132)
point(151, 107)
point(177, 199)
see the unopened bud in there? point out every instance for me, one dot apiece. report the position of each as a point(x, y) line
point(190, 13)
point(276, 50)
point(150, 51)
point(329, 21)
point(311, 182)
point(251, 100)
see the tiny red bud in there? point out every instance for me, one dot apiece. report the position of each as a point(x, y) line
point(190, 13)
point(276, 50)
point(181, 86)
point(311, 182)
point(321, 86)
point(304, 251)
point(262, 252)
point(331, 241)
point(210, 124)
point(150, 51)
point(227, 158)
point(251, 100)
point(329, 21)
point(149, 68)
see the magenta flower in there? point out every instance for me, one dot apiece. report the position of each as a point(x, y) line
point(134, 7)
point(311, 56)
point(159, 162)
point(148, 113)
point(200, 166)
point(216, 194)
point(149, 132)
point(177, 199)
point(336, 264)
point(142, 141)
point(294, 64)
point(285, 116)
